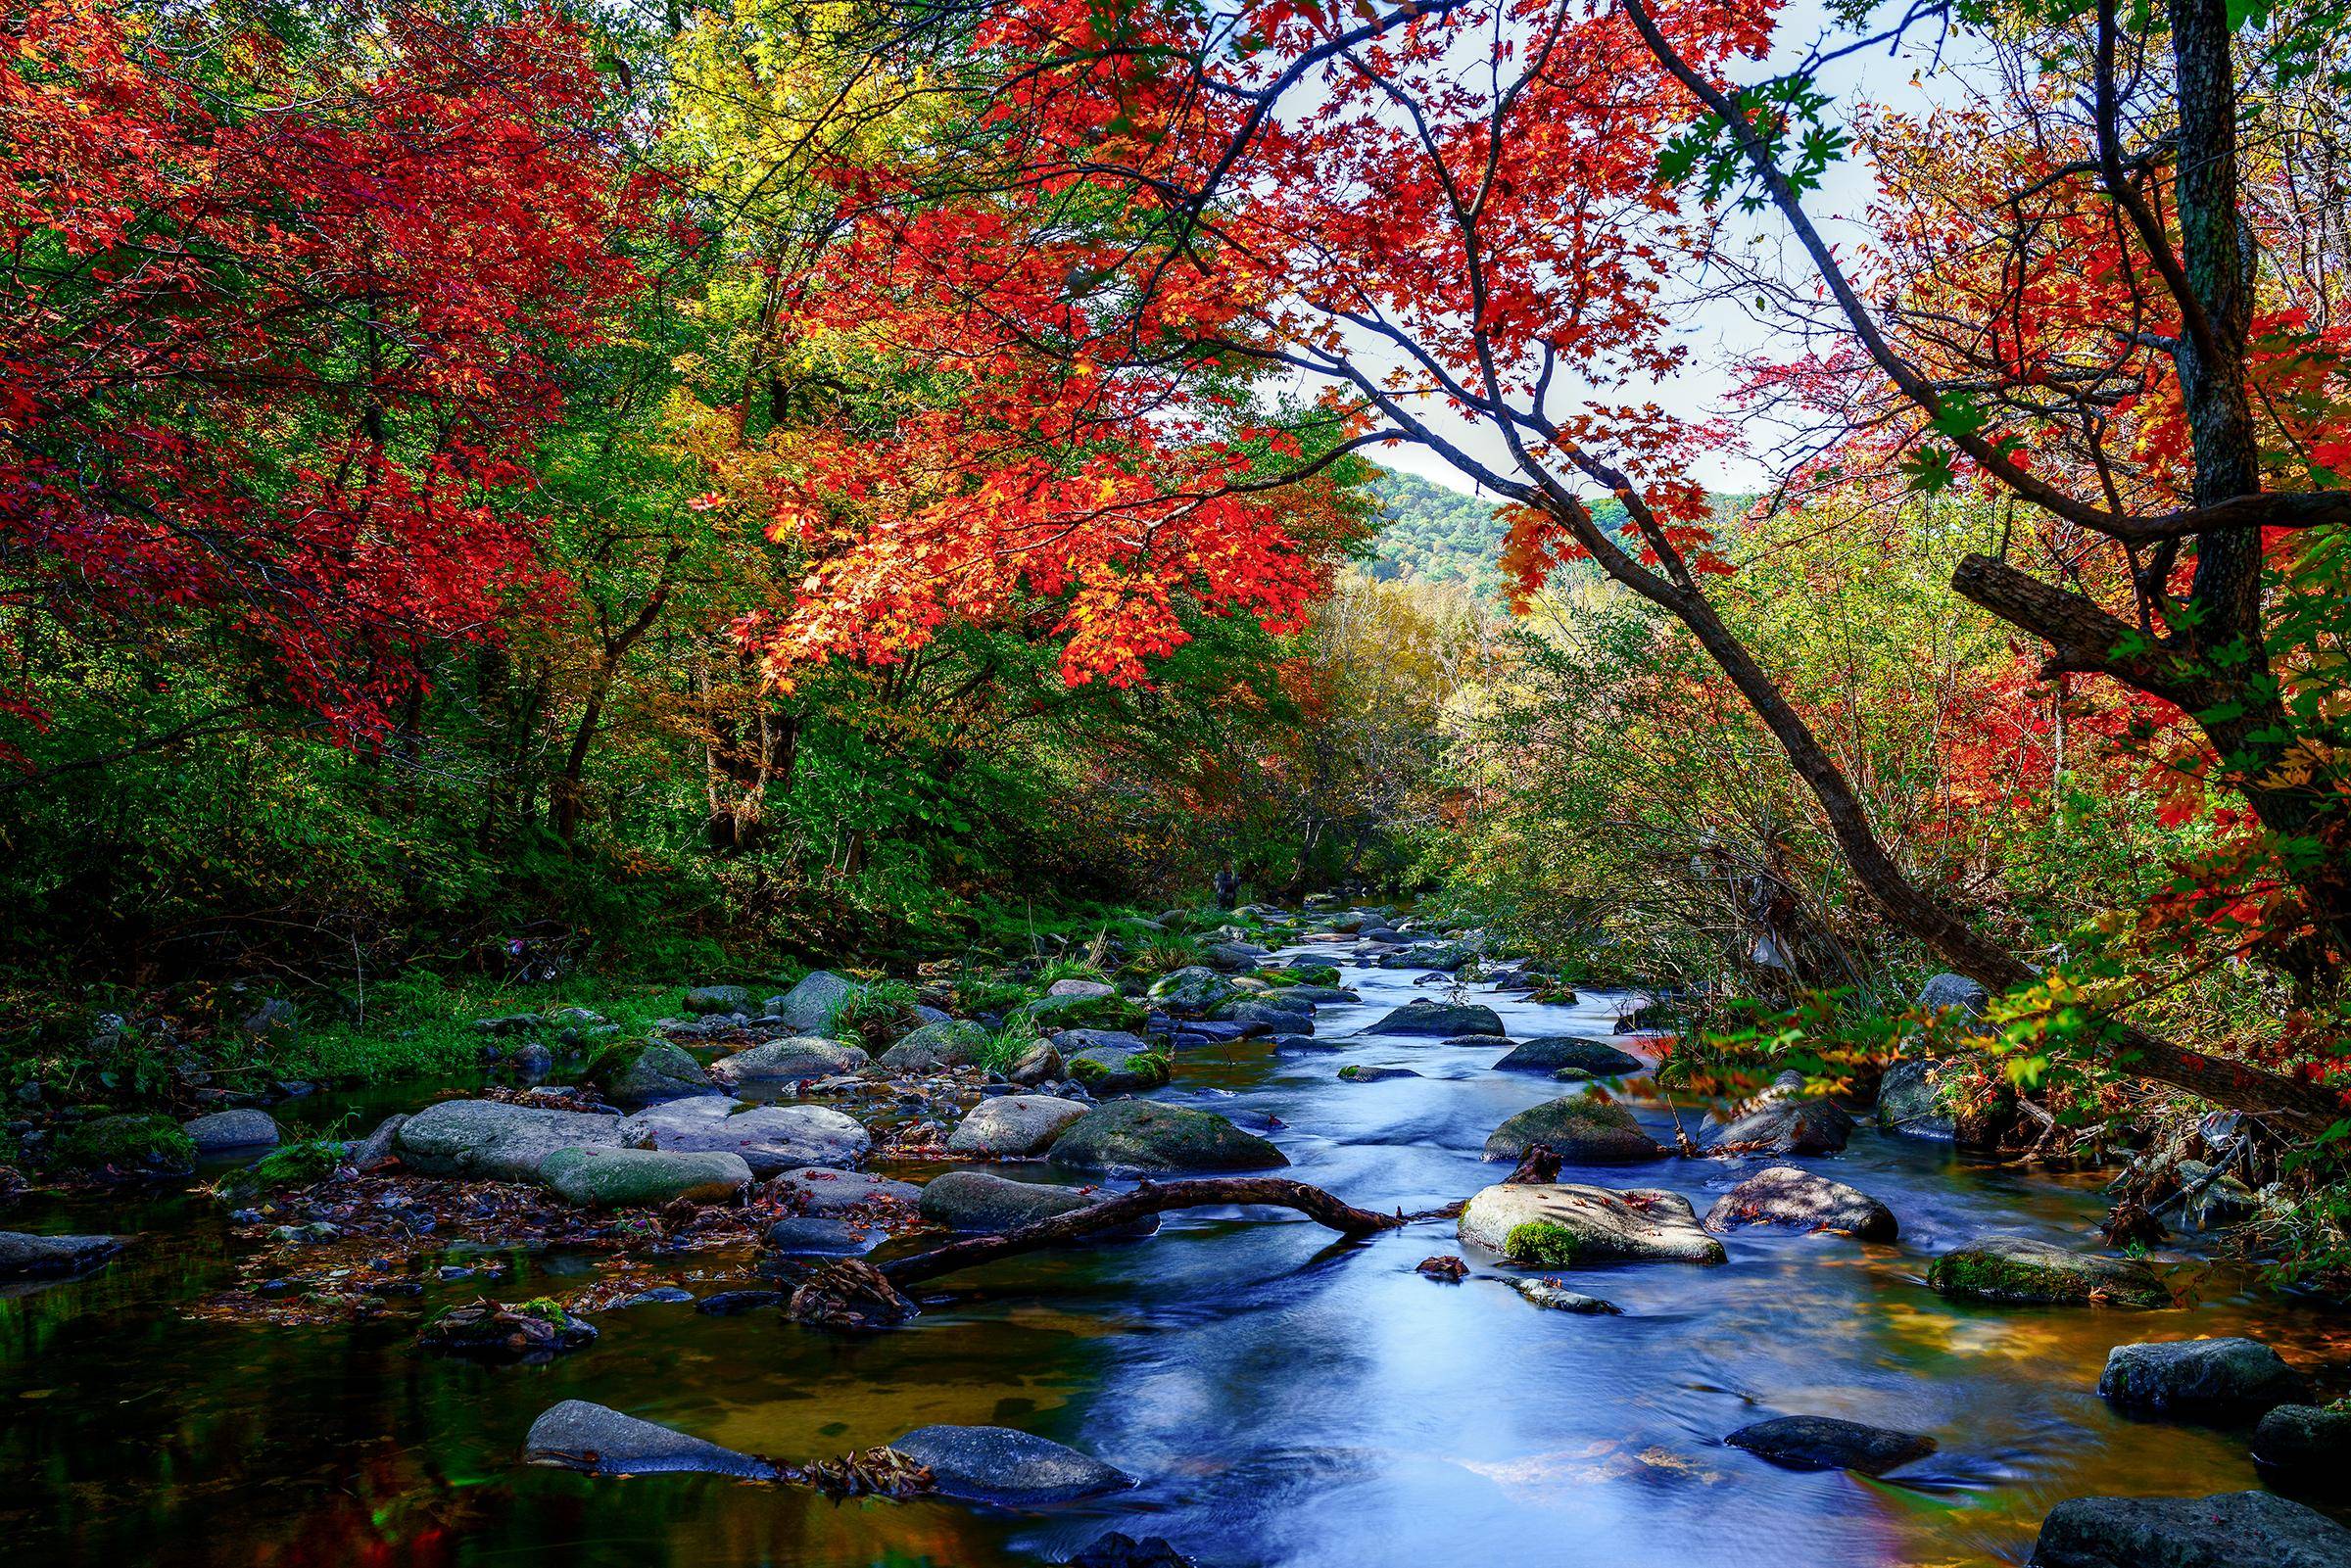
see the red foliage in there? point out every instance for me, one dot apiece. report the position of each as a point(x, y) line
point(277, 330)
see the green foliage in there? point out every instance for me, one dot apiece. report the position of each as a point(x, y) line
point(1544, 1243)
point(287, 1167)
point(127, 1143)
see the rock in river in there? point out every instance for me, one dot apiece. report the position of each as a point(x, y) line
point(976, 1201)
point(955, 1043)
point(814, 1190)
point(1557, 1224)
point(1789, 1126)
point(23, 1256)
point(1596, 1059)
point(645, 1072)
point(493, 1140)
point(1195, 988)
point(1552, 1295)
point(1824, 1443)
point(2018, 1270)
point(797, 1060)
point(813, 1004)
point(1142, 1135)
point(1440, 1020)
point(1783, 1195)
point(580, 1436)
point(634, 1178)
point(2221, 1377)
point(998, 1464)
point(1013, 1126)
point(1114, 1062)
point(2234, 1530)
point(1580, 1130)
point(718, 1000)
point(227, 1130)
point(768, 1137)
point(2305, 1447)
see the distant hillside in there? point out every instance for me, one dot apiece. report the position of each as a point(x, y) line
point(1430, 534)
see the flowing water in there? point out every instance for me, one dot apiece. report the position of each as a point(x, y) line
point(1285, 1400)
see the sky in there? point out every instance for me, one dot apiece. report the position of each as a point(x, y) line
point(1719, 334)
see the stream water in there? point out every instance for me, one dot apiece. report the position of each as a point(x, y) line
point(1286, 1401)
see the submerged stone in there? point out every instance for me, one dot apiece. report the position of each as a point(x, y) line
point(26, 1256)
point(577, 1435)
point(1824, 1443)
point(2019, 1270)
point(2233, 1529)
point(999, 1464)
point(2200, 1377)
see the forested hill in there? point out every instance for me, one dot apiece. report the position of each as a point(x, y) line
point(1430, 534)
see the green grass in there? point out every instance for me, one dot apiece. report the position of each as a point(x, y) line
point(422, 1025)
point(1542, 1242)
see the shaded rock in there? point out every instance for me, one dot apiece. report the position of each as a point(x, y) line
point(276, 1022)
point(822, 1238)
point(645, 1072)
point(1558, 1224)
point(1013, 1126)
point(376, 1150)
point(998, 1464)
point(580, 1436)
point(1111, 1549)
point(1110, 1069)
point(1784, 1195)
point(225, 1130)
point(1234, 957)
point(1824, 1443)
point(1054, 1014)
point(1790, 1127)
point(1553, 1296)
point(1080, 988)
point(630, 1178)
point(1439, 1019)
point(767, 1138)
point(496, 1141)
point(130, 1144)
point(1141, 1135)
point(1911, 1102)
point(1955, 990)
point(1275, 1013)
point(2239, 1377)
point(935, 1046)
point(2022, 1272)
point(2305, 1447)
point(1356, 1073)
point(2208, 1200)
point(736, 1302)
point(1580, 1130)
point(24, 1255)
point(978, 1201)
point(718, 999)
point(813, 1005)
point(1596, 1059)
point(2233, 1529)
point(1039, 1064)
point(815, 1190)
point(797, 1060)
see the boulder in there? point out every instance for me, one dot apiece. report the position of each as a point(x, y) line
point(1115, 1068)
point(829, 1194)
point(225, 1131)
point(813, 1006)
point(1142, 1135)
point(1911, 1102)
point(1039, 1064)
point(276, 1022)
point(1277, 1014)
point(1824, 1443)
point(1233, 958)
point(1580, 1130)
point(2305, 1447)
point(646, 1071)
point(1054, 1014)
point(1440, 1020)
point(24, 1255)
point(488, 1139)
point(978, 1201)
point(1013, 1126)
point(1080, 988)
point(2233, 1529)
point(1356, 1073)
point(636, 1178)
point(1955, 990)
point(1783, 1195)
point(2214, 1377)
point(1114, 1549)
point(2021, 1271)
point(1195, 989)
point(998, 1464)
point(1596, 1059)
point(1557, 1224)
point(768, 1138)
point(719, 1000)
point(935, 1046)
point(797, 1060)
point(1789, 1126)
point(579, 1436)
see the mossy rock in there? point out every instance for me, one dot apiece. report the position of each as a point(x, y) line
point(286, 1169)
point(635, 1072)
point(1142, 1135)
point(1544, 1244)
point(1563, 1224)
point(628, 1178)
point(1057, 1012)
point(1581, 1129)
point(2015, 1270)
point(1110, 1069)
point(957, 1043)
point(155, 1145)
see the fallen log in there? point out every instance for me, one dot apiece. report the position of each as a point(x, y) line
point(851, 1293)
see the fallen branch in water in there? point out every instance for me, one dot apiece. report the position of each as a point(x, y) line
point(851, 1293)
